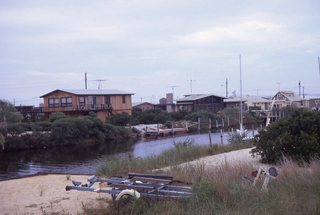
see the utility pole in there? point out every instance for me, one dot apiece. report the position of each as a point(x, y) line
point(241, 117)
point(226, 87)
point(319, 65)
point(85, 81)
point(299, 88)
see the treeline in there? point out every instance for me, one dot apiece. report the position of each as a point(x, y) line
point(61, 130)
point(229, 117)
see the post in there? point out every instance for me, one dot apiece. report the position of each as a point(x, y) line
point(199, 121)
point(209, 132)
point(158, 129)
point(252, 130)
point(172, 128)
point(187, 128)
point(221, 136)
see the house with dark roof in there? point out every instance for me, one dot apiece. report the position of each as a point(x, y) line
point(143, 106)
point(77, 102)
point(200, 102)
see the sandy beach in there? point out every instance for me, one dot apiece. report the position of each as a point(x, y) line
point(46, 193)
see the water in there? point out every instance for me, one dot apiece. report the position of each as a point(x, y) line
point(80, 160)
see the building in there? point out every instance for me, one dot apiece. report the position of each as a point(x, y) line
point(80, 102)
point(143, 106)
point(314, 104)
point(289, 98)
point(200, 102)
point(249, 103)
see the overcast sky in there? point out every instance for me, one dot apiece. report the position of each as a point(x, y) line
point(146, 46)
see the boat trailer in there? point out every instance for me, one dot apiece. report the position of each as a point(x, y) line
point(136, 185)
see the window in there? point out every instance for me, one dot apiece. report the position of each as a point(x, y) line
point(107, 100)
point(53, 102)
point(66, 101)
point(92, 100)
point(81, 101)
point(123, 99)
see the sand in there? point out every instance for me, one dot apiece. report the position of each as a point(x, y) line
point(46, 193)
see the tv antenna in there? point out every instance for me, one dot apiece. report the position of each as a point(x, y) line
point(172, 88)
point(100, 80)
point(191, 85)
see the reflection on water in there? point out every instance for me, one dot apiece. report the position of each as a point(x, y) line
point(84, 160)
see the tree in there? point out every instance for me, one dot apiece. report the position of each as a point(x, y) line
point(8, 113)
point(121, 119)
point(297, 137)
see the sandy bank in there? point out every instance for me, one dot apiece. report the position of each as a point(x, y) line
point(46, 193)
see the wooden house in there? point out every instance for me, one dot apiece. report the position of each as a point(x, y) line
point(80, 102)
point(200, 102)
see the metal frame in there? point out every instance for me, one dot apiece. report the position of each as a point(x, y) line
point(149, 186)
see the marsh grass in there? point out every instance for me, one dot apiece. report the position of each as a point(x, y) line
point(182, 152)
point(221, 191)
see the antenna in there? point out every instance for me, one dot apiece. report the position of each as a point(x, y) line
point(191, 85)
point(99, 80)
point(173, 87)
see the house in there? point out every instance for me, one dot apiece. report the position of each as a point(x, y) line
point(80, 102)
point(314, 104)
point(249, 102)
point(200, 102)
point(143, 106)
point(289, 98)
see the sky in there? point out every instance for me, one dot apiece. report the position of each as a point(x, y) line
point(154, 47)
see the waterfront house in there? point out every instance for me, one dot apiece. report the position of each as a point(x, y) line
point(104, 102)
point(200, 102)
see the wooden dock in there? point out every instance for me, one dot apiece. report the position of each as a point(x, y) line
point(158, 130)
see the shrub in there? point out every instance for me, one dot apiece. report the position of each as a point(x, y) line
point(121, 119)
point(297, 137)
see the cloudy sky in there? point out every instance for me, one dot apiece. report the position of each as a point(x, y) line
point(147, 46)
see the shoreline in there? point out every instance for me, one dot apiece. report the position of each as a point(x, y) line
point(45, 193)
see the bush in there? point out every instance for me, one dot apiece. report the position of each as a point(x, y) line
point(121, 119)
point(297, 137)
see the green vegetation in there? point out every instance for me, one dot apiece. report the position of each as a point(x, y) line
point(221, 190)
point(182, 152)
point(60, 130)
point(297, 137)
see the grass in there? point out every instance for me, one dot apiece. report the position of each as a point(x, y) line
point(222, 191)
point(182, 152)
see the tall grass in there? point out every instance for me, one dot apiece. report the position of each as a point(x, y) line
point(182, 152)
point(222, 191)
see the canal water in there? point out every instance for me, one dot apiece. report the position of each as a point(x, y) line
point(78, 160)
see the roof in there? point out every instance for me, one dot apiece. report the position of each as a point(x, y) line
point(194, 97)
point(141, 103)
point(247, 98)
point(291, 96)
point(91, 92)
